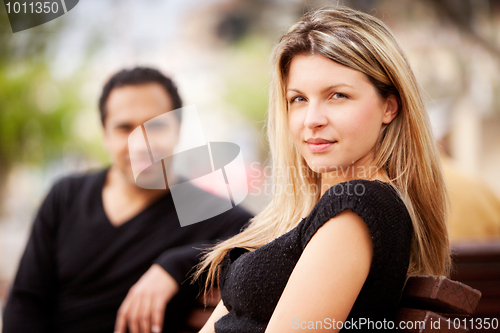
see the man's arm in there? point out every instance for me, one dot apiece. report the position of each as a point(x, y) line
point(144, 306)
point(31, 300)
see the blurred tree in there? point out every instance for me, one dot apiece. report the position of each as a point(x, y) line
point(462, 13)
point(34, 109)
point(247, 85)
point(245, 27)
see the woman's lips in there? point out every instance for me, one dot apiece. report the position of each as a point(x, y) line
point(319, 145)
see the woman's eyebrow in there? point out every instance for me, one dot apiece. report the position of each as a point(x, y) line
point(293, 89)
point(324, 90)
point(336, 86)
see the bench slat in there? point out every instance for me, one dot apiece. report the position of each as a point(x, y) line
point(440, 294)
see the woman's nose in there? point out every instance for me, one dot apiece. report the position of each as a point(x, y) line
point(315, 117)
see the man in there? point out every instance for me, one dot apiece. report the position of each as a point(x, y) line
point(105, 254)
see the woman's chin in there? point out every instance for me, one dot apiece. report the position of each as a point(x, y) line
point(324, 168)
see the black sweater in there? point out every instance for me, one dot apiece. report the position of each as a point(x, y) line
point(252, 282)
point(77, 267)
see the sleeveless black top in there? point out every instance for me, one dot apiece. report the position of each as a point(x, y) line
point(252, 282)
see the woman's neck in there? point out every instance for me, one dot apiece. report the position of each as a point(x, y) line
point(351, 172)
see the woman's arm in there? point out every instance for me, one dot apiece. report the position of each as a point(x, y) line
point(219, 311)
point(327, 278)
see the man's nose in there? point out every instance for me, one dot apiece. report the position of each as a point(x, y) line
point(137, 144)
point(315, 117)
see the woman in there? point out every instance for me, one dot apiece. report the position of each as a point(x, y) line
point(360, 200)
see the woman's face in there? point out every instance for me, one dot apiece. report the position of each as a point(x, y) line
point(335, 114)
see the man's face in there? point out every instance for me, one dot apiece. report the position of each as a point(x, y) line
point(129, 107)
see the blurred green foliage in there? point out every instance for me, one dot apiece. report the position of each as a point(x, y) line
point(37, 112)
point(247, 86)
point(34, 111)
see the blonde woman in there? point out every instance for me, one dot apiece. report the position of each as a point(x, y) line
point(359, 201)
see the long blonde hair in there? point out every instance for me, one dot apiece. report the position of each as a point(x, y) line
point(406, 150)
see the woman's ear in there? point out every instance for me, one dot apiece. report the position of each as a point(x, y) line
point(391, 109)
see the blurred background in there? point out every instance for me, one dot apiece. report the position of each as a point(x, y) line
point(218, 53)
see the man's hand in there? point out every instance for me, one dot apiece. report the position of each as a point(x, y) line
point(143, 309)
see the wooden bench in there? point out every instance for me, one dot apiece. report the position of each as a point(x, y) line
point(436, 304)
point(477, 264)
point(427, 302)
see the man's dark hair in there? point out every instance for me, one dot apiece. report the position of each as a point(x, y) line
point(139, 76)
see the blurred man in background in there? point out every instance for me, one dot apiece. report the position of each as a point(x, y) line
point(105, 254)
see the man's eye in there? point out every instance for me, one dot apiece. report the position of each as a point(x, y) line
point(157, 126)
point(124, 128)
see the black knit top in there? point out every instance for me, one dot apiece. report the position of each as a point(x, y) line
point(252, 282)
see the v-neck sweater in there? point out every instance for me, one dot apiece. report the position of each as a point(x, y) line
point(77, 267)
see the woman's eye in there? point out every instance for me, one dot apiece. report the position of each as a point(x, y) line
point(339, 95)
point(297, 99)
